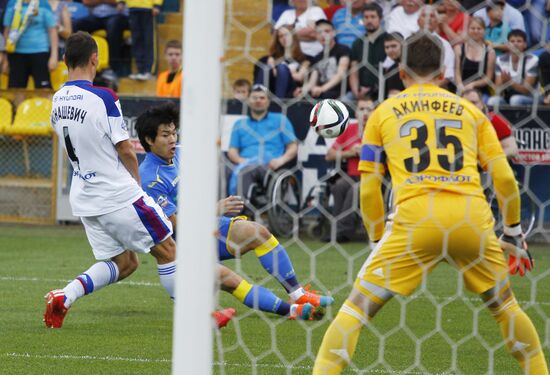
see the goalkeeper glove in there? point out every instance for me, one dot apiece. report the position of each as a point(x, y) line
point(513, 243)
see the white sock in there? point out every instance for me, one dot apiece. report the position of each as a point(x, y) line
point(167, 275)
point(96, 277)
point(295, 295)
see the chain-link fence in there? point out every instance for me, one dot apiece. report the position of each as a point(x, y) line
point(28, 155)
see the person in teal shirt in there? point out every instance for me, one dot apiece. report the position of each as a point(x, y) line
point(32, 43)
point(497, 30)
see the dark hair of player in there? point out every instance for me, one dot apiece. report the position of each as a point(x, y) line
point(242, 82)
point(324, 22)
point(79, 47)
point(173, 44)
point(423, 54)
point(148, 123)
point(394, 36)
point(373, 7)
point(518, 33)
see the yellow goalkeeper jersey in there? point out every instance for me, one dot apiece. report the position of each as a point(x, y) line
point(430, 140)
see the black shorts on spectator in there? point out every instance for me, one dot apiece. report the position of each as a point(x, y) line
point(23, 66)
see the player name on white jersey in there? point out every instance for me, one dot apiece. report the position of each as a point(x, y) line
point(67, 112)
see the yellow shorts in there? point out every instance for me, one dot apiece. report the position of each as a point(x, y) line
point(426, 230)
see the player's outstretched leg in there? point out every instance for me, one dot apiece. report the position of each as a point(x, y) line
point(517, 330)
point(96, 277)
point(165, 254)
point(246, 235)
point(341, 337)
point(260, 298)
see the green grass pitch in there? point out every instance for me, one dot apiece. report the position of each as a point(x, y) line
point(127, 328)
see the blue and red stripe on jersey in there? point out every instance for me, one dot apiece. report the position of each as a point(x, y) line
point(151, 220)
point(373, 153)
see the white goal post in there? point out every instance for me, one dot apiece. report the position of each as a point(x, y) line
point(199, 124)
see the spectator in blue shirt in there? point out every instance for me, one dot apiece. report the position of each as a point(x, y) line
point(348, 22)
point(31, 43)
point(260, 143)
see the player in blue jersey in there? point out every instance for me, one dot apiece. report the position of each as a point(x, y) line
point(157, 132)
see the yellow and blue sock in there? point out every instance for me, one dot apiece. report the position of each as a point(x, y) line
point(274, 259)
point(260, 298)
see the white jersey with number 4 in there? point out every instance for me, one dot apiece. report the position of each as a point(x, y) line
point(89, 121)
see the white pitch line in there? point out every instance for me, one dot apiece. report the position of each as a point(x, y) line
point(87, 357)
point(166, 360)
point(149, 284)
point(36, 279)
point(309, 368)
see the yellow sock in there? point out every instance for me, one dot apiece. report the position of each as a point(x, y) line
point(521, 337)
point(340, 340)
point(242, 290)
point(266, 247)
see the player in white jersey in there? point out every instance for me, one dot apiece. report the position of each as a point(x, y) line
point(119, 218)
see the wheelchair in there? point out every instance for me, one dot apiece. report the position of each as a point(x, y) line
point(319, 203)
point(275, 199)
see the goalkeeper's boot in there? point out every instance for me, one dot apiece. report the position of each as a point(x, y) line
point(55, 308)
point(311, 296)
point(223, 317)
point(304, 311)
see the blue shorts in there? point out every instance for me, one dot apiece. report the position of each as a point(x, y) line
point(224, 226)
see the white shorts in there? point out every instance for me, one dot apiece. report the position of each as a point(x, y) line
point(136, 227)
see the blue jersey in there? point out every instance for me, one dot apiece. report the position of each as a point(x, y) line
point(160, 179)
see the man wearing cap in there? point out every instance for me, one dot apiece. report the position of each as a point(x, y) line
point(260, 143)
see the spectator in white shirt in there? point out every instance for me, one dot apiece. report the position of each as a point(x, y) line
point(303, 18)
point(516, 73)
point(404, 19)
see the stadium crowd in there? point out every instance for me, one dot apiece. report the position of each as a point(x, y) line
point(349, 49)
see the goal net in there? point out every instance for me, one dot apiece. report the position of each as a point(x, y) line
point(310, 202)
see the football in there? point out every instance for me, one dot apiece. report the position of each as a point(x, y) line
point(329, 118)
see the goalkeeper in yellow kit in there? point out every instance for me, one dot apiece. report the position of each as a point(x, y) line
point(431, 141)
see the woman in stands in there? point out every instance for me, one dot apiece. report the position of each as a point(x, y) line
point(475, 60)
point(31, 43)
point(284, 69)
